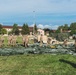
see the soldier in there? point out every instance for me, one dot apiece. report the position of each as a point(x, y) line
point(48, 41)
point(41, 40)
point(65, 42)
point(13, 41)
point(1, 40)
point(25, 40)
point(9, 40)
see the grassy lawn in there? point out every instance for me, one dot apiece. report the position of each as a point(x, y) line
point(45, 64)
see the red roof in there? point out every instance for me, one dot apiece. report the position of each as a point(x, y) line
point(31, 29)
point(10, 27)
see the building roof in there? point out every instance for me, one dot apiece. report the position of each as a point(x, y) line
point(20, 27)
point(11, 27)
point(31, 29)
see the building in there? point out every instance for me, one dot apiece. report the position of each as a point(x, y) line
point(9, 28)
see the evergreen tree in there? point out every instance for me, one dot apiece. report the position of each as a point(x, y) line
point(62, 28)
point(65, 27)
point(59, 29)
point(25, 29)
point(73, 28)
point(35, 29)
point(15, 29)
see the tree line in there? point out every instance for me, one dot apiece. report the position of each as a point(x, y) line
point(66, 27)
point(15, 29)
point(25, 29)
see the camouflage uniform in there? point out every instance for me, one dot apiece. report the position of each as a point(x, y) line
point(9, 40)
point(14, 40)
point(41, 40)
point(65, 42)
point(48, 41)
point(1, 40)
point(25, 40)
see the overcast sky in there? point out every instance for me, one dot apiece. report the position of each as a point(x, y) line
point(48, 13)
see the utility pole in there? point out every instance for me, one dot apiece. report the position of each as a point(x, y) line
point(34, 22)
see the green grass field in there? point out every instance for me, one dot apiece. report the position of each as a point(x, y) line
point(45, 64)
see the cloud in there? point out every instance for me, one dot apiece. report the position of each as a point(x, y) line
point(54, 26)
point(47, 26)
point(41, 26)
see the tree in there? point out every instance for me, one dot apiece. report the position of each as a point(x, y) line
point(60, 29)
point(73, 32)
point(73, 28)
point(47, 29)
point(57, 31)
point(35, 29)
point(25, 29)
point(3, 31)
point(0, 28)
point(65, 27)
point(15, 29)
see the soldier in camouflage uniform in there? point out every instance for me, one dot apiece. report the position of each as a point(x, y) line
point(13, 41)
point(65, 42)
point(25, 40)
point(9, 40)
point(1, 40)
point(41, 40)
point(48, 41)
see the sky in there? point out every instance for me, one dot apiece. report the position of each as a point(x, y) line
point(45, 13)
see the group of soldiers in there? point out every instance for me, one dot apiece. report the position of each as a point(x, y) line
point(12, 40)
